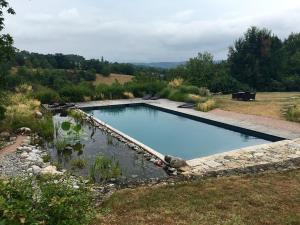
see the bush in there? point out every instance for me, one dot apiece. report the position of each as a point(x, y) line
point(47, 95)
point(189, 89)
point(2, 112)
point(206, 106)
point(175, 83)
point(44, 200)
point(195, 98)
point(176, 95)
point(128, 95)
point(293, 113)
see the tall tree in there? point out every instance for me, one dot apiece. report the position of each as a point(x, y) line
point(256, 59)
point(6, 49)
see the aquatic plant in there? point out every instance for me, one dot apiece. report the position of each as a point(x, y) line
point(46, 158)
point(104, 168)
point(60, 144)
point(78, 163)
point(77, 115)
point(109, 140)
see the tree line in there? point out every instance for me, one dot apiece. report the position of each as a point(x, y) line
point(257, 61)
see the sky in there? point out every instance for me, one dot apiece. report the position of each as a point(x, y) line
point(144, 30)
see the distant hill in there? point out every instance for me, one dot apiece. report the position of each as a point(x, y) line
point(164, 65)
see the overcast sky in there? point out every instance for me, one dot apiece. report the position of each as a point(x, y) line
point(145, 30)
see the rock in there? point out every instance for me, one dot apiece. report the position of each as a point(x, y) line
point(24, 155)
point(4, 135)
point(51, 170)
point(175, 161)
point(24, 130)
point(12, 138)
point(152, 160)
point(36, 169)
point(38, 114)
point(158, 162)
point(68, 148)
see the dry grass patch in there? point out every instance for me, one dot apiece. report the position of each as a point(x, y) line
point(272, 198)
point(112, 78)
point(269, 104)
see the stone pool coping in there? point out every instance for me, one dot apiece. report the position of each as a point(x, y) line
point(280, 154)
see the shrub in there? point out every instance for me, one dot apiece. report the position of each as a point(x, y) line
point(2, 112)
point(44, 200)
point(195, 98)
point(128, 95)
point(203, 91)
point(206, 106)
point(293, 113)
point(175, 83)
point(78, 163)
point(189, 89)
point(47, 95)
point(176, 95)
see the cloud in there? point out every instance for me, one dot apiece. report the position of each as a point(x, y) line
point(122, 36)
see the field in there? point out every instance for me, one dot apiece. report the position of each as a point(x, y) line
point(271, 198)
point(112, 78)
point(269, 104)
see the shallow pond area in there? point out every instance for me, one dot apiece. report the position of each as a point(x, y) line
point(94, 142)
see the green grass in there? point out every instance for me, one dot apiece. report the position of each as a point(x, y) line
point(271, 198)
point(78, 163)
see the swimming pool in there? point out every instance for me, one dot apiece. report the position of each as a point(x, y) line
point(172, 134)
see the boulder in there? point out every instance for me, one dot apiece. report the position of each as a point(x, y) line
point(38, 114)
point(51, 170)
point(175, 162)
point(36, 169)
point(24, 130)
point(4, 135)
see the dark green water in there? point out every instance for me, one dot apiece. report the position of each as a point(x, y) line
point(174, 135)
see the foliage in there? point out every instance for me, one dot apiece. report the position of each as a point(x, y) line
point(46, 95)
point(293, 113)
point(78, 163)
point(60, 144)
point(128, 95)
point(77, 115)
point(206, 106)
point(175, 83)
point(255, 59)
point(2, 112)
point(46, 158)
point(104, 169)
point(20, 112)
point(44, 200)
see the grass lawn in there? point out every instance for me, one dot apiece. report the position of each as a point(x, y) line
point(121, 78)
point(269, 104)
point(271, 198)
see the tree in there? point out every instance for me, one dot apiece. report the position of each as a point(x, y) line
point(200, 69)
point(256, 58)
point(6, 50)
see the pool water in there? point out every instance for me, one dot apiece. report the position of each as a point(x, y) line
point(171, 134)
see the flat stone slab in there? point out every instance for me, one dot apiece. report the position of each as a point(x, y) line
point(267, 155)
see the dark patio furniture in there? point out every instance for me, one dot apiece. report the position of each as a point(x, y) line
point(147, 97)
point(244, 96)
point(155, 97)
point(187, 105)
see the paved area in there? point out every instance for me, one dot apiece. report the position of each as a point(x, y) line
point(278, 155)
